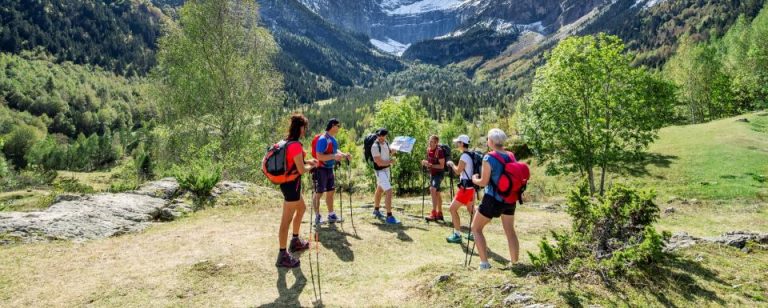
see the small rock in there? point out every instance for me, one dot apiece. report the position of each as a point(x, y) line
point(489, 304)
point(508, 287)
point(746, 250)
point(517, 299)
point(670, 210)
point(539, 306)
point(441, 278)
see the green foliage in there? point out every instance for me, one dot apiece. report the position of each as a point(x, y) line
point(405, 117)
point(613, 234)
point(589, 108)
point(18, 142)
point(84, 154)
point(216, 82)
point(117, 35)
point(72, 185)
point(199, 174)
point(478, 42)
point(457, 126)
point(32, 176)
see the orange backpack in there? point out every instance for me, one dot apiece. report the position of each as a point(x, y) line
point(275, 164)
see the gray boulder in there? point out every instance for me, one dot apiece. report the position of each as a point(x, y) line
point(517, 298)
point(165, 188)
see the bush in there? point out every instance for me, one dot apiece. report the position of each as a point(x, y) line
point(199, 175)
point(72, 185)
point(612, 234)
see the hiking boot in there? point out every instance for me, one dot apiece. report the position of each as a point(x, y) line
point(378, 214)
point(455, 238)
point(297, 245)
point(484, 266)
point(285, 259)
point(392, 220)
point(439, 216)
point(332, 218)
point(432, 216)
point(470, 237)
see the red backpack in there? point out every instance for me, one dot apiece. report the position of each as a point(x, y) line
point(328, 148)
point(513, 180)
point(275, 164)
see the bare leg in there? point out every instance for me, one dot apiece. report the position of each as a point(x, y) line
point(435, 197)
point(289, 208)
point(329, 200)
point(300, 209)
point(508, 222)
point(478, 223)
point(455, 215)
point(316, 203)
point(388, 200)
point(377, 197)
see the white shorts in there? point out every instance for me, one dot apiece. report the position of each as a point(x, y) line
point(382, 179)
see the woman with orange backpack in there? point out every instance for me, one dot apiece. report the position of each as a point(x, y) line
point(504, 180)
point(294, 206)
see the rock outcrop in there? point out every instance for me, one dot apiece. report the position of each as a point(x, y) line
point(85, 217)
point(736, 239)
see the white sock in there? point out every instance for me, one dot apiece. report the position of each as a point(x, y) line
point(331, 213)
point(457, 232)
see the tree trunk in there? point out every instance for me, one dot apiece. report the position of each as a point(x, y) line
point(602, 179)
point(591, 177)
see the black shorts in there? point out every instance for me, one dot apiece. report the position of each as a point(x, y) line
point(291, 190)
point(324, 179)
point(492, 208)
point(435, 180)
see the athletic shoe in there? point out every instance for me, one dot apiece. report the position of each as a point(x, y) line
point(298, 244)
point(454, 238)
point(318, 219)
point(332, 218)
point(484, 266)
point(432, 216)
point(392, 220)
point(470, 237)
point(378, 214)
point(439, 216)
point(284, 259)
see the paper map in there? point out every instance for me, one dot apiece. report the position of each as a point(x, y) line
point(403, 144)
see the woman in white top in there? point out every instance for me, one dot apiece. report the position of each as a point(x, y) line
point(465, 196)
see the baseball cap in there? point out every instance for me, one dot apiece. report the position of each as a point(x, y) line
point(462, 138)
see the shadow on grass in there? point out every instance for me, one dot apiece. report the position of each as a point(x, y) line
point(399, 229)
point(639, 167)
point(288, 296)
point(675, 276)
point(335, 239)
point(467, 247)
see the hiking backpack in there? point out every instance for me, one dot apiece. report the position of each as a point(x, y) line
point(447, 154)
point(275, 164)
point(328, 148)
point(513, 180)
point(367, 154)
point(477, 162)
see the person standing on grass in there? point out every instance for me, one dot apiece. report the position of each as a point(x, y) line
point(327, 151)
point(435, 162)
point(465, 195)
point(382, 159)
point(492, 205)
point(293, 205)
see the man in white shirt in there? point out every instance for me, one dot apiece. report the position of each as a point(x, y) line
point(382, 162)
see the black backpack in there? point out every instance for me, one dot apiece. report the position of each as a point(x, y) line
point(447, 153)
point(367, 145)
point(477, 163)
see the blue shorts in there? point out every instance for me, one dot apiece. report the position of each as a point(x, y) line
point(324, 180)
point(435, 180)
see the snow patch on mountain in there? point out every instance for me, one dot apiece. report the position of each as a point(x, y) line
point(391, 7)
point(390, 46)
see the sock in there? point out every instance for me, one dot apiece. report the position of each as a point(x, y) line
point(331, 213)
point(389, 214)
point(295, 236)
point(457, 232)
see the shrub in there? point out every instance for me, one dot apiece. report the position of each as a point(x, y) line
point(199, 175)
point(72, 185)
point(611, 234)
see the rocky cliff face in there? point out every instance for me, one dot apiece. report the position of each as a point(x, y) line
point(411, 21)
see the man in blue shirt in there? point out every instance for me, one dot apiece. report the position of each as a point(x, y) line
point(327, 151)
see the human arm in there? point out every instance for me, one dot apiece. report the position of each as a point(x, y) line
point(484, 177)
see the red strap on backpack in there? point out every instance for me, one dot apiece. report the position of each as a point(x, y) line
point(513, 179)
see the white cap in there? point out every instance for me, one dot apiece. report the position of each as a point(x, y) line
point(462, 138)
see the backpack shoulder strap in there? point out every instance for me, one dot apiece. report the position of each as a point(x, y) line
point(499, 157)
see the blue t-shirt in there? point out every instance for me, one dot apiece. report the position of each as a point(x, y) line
point(497, 168)
point(322, 146)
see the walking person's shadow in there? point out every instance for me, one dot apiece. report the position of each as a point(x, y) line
point(336, 240)
point(288, 296)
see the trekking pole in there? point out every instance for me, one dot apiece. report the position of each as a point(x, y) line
point(471, 217)
point(311, 239)
point(341, 200)
point(349, 183)
point(317, 251)
point(423, 189)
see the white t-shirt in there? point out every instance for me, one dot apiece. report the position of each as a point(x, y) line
point(467, 173)
point(383, 153)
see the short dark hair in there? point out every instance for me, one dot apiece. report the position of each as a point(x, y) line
point(331, 123)
point(382, 132)
point(297, 122)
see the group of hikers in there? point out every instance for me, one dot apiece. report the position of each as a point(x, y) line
point(286, 162)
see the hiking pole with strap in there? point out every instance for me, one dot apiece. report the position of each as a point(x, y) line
point(317, 250)
point(349, 184)
point(423, 188)
point(341, 200)
point(311, 238)
point(471, 217)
